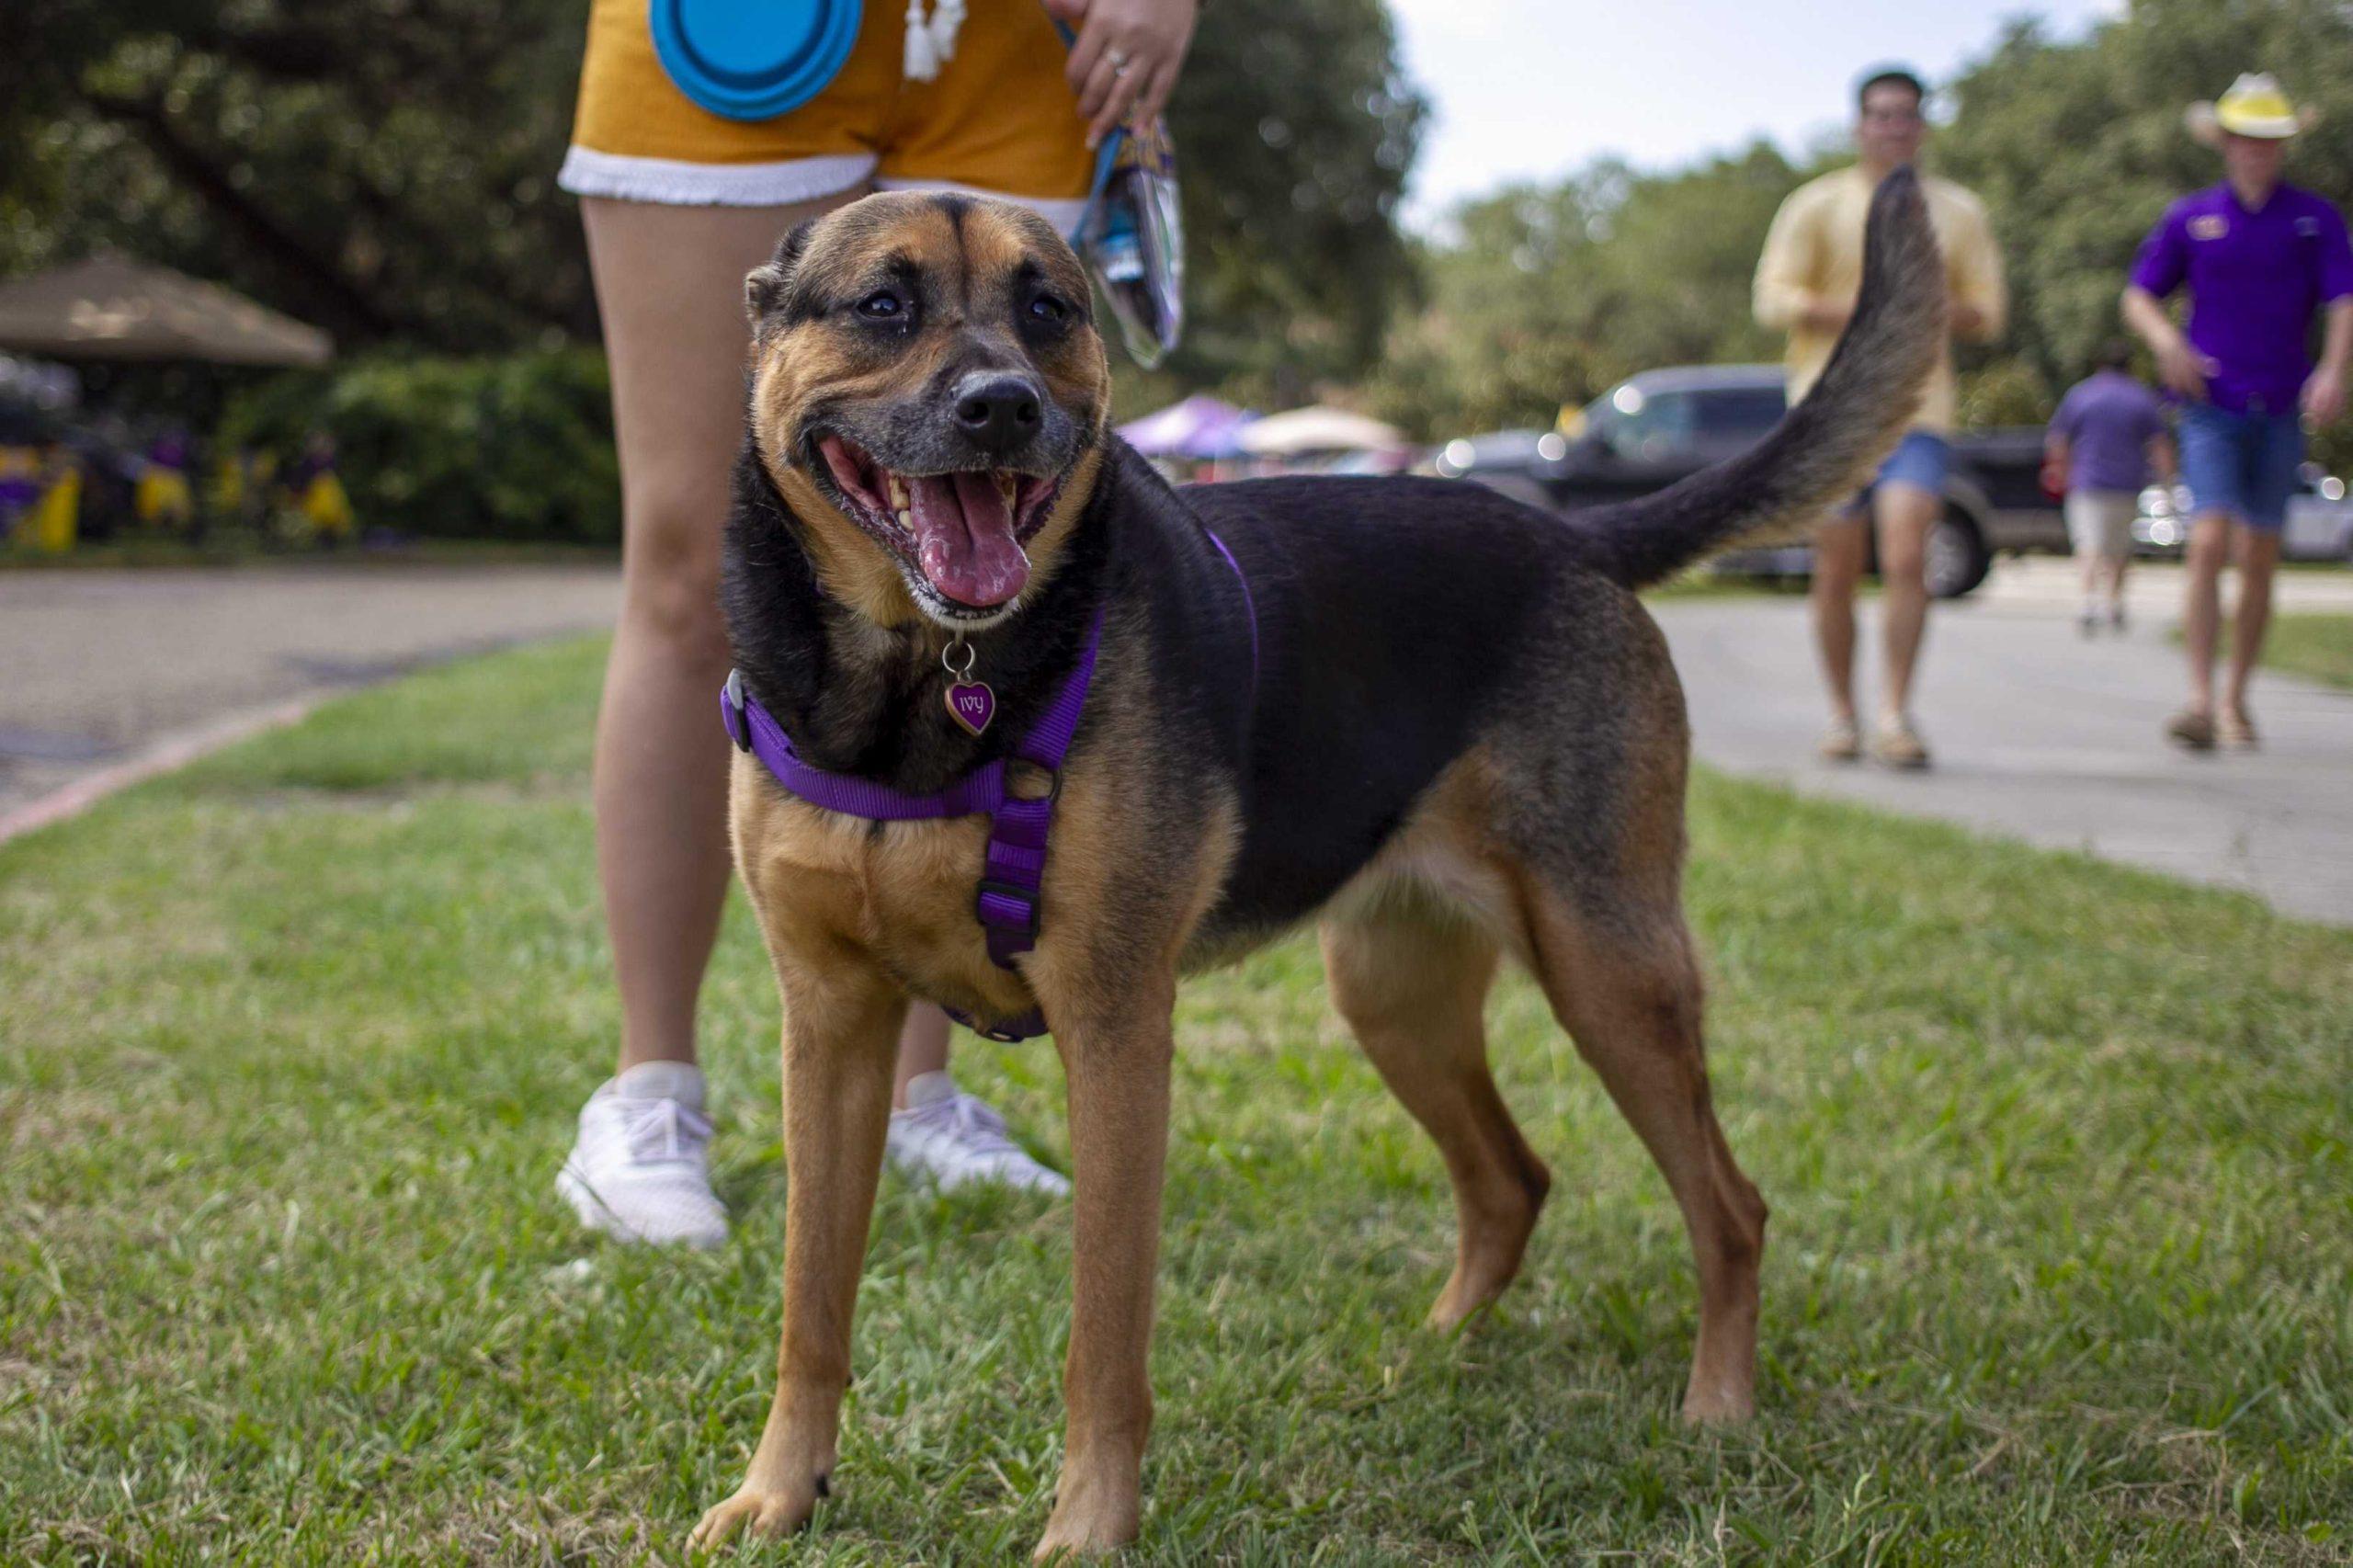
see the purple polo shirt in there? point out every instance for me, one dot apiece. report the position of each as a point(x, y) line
point(2108, 422)
point(2255, 280)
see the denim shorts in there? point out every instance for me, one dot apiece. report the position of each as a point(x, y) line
point(2242, 464)
point(1920, 458)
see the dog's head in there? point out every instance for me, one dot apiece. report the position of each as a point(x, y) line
point(928, 394)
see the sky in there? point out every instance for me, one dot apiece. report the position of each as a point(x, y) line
point(1531, 89)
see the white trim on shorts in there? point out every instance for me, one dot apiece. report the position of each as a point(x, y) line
point(676, 182)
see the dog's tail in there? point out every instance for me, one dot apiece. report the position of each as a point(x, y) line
point(1823, 448)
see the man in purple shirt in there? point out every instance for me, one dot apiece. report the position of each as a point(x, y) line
point(2259, 257)
point(2108, 430)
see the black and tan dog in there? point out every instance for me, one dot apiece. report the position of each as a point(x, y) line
point(1462, 737)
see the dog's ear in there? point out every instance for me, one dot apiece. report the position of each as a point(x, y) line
point(765, 286)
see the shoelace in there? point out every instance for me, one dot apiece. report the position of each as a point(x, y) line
point(974, 1123)
point(661, 1129)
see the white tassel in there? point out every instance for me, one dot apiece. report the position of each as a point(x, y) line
point(931, 44)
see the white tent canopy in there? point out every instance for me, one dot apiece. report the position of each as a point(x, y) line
point(111, 307)
point(1315, 430)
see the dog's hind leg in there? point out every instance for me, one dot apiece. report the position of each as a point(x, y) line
point(1626, 987)
point(1411, 982)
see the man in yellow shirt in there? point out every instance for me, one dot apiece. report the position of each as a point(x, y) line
point(1806, 284)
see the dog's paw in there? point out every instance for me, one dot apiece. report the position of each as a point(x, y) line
point(1720, 1405)
point(1080, 1530)
point(758, 1515)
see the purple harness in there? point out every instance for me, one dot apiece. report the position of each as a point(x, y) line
point(1007, 904)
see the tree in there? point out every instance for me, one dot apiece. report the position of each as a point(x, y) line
point(2078, 147)
point(1548, 297)
point(385, 167)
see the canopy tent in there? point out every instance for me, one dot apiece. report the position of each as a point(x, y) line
point(1201, 427)
point(110, 307)
point(1317, 429)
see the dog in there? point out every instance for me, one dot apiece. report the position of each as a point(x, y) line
point(1434, 720)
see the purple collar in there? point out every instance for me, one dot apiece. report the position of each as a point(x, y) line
point(1006, 903)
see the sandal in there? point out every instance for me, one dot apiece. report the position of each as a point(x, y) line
point(2191, 730)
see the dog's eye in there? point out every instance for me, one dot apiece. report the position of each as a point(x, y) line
point(880, 305)
point(1046, 308)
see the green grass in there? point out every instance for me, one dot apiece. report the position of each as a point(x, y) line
point(291, 1045)
point(2317, 646)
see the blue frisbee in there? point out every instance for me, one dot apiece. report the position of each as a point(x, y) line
point(754, 59)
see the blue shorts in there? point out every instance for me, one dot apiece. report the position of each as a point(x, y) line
point(1920, 458)
point(2245, 465)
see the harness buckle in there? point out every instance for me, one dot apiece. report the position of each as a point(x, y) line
point(1026, 897)
point(731, 709)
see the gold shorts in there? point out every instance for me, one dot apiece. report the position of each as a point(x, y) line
point(999, 119)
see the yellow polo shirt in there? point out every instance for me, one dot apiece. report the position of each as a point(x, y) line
point(1815, 247)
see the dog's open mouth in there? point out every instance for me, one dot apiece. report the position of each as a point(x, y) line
point(962, 533)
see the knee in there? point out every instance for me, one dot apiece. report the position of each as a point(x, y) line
point(2209, 545)
point(1901, 561)
point(670, 582)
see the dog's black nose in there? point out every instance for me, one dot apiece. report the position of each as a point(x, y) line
point(998, 413)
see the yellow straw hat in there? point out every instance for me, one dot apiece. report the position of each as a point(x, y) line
point(2255, 105)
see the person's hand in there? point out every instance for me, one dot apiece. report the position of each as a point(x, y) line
point(1125, 63)
point(2324, 397)
point(2182, 367)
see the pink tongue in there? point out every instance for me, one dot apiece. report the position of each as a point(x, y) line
point(964, 538)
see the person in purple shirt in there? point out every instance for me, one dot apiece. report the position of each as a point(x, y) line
point(2109, 431)
point(2258, 257)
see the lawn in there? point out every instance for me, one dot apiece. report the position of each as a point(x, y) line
point(2315, 645)
point(291, 1045)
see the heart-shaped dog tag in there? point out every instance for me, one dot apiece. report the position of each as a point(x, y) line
point(971, 704)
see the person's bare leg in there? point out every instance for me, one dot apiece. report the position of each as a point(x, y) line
point(1904, 514)
point(670, 288)
point(2116, 566)
point(2258, 560)
point(1837, 567)
point(922, 1047)
point(2210, 540)
point(2089, 561)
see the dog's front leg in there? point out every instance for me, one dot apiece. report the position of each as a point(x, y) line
point(1117, 1061)
point(838, 1036)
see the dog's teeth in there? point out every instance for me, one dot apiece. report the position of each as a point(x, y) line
point(899, 497)
point(905, 521)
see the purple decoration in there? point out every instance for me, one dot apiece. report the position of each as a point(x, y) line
point(1198, 427)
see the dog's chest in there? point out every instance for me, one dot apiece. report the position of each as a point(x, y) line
point(900, 890)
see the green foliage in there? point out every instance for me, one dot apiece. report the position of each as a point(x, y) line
point(386, 167)
point(517, 447)
point(2079, 147)
point(1548, 297)
point(382, 168)
point(1296, 128)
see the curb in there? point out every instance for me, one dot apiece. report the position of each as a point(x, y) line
point(173, 751)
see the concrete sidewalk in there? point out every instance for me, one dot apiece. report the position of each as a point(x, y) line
point(2046, 736)
point(105, 673)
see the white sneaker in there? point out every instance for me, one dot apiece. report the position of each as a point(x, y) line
point(639, 1171)
point(954, 1140)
